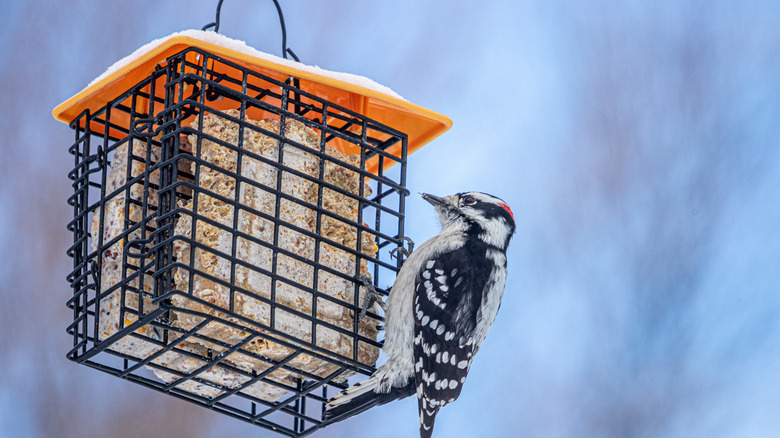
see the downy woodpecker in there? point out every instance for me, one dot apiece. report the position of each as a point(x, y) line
point(440, 308)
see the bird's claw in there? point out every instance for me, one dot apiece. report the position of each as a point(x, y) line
point(372, 296)
point(401, 251)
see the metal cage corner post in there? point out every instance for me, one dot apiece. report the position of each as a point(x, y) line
point(144, 155)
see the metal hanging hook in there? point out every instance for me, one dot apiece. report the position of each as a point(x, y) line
point(285, 50)
point(215, 24)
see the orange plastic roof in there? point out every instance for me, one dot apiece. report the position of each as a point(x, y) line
point(420, 124)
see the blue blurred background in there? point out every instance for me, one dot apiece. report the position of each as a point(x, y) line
point(637, 142)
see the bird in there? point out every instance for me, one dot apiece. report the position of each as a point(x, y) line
point(440, 307)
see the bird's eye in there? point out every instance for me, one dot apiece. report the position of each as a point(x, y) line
point(468, 200)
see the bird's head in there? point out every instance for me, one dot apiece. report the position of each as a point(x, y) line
point(488, 217)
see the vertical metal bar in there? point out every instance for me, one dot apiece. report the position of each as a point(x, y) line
point(166, 198)
point(303, 411)
point(196, 177)
point(318, 226)
point(144, 203)
point(83, 227)
point(378, 219)
point(402, 194)
point(236, 194)
point(166, 192)
point(80, 207)
point(101, 211)
point(297, 406)
point(359, 244)
point(277, 210)
point(151, 115)
point(325, 396)
point(125, 222)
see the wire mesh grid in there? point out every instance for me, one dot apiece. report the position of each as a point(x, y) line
point(224, 222)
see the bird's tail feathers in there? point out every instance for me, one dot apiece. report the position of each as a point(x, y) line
point(427, 418)
point(360, 397)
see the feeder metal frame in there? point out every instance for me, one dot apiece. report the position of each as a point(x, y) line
point(160, 109)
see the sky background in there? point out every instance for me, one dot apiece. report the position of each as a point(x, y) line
point(637, 142)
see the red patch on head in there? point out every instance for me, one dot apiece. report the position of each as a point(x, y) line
point(508, 210)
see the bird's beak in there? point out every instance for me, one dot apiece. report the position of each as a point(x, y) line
point(441, 205)
point(435, 200)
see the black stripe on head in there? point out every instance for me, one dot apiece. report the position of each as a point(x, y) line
point(497, 210)
point(490, 205)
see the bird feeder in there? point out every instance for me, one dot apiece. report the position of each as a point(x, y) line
point(229, 208)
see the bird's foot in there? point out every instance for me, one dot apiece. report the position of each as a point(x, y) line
point(401, 251)
point(372, 296)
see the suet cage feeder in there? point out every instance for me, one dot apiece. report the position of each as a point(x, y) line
point(226, 209)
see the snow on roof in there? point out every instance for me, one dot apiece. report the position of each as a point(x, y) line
point(240, 46)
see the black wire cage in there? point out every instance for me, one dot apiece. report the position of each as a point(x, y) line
point(227, 217)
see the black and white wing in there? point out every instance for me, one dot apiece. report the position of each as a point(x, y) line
point(448, 294)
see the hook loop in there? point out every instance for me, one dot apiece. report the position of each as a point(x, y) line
point(285, 50)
